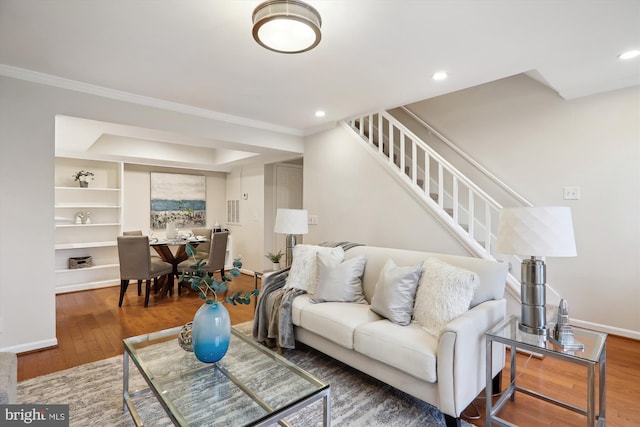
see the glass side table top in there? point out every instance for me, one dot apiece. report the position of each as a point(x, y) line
point(507, 332)
point(249, 385)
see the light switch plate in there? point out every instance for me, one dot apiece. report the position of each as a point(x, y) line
point(571, 193)
point(313, 220)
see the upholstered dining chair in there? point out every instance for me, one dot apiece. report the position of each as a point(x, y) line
point(151, 253)
point(136, 264)
point(203, 249)
point(215, 262)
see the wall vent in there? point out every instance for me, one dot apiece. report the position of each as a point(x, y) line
point(233, 211)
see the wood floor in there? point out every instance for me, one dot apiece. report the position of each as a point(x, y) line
point(91, 326)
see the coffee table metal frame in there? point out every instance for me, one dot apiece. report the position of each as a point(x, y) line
point(323, 390)
point(595, 353)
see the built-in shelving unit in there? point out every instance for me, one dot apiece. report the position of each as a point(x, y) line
point(88, 221)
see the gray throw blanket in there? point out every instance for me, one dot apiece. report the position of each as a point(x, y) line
point(272, 324)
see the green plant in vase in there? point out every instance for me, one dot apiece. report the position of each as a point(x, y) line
point(211, 331)
point(275, 259)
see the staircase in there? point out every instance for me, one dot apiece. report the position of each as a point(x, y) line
point(468, 212)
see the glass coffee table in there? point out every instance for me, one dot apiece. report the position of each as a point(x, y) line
point(250, 386)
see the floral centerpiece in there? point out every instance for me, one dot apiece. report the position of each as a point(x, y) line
point(211, 330)
point(83, 177)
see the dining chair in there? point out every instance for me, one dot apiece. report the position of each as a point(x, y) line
point(215, 262)
point(151, 253)
point(203, 249)
point(136, 264)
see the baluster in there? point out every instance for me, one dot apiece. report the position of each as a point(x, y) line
point(455, 199)
point(391, 142)
point(427, 174)
point(402, 153)
point(472, 218)
point(440, 186)
point(414, 163)
point(380, 135)
point(487, 227)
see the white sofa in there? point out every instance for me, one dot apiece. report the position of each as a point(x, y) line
point(447, 372)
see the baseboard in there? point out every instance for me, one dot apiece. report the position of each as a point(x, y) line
point(84, 287)
point(627, 333)
point(31, 346)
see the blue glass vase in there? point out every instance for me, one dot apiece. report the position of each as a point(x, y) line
point(211, 332)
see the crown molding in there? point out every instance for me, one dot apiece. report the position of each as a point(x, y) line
point(77, 86)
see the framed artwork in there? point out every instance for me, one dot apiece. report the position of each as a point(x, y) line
point(178, 198)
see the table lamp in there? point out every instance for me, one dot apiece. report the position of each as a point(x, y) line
point(291, 222)
point(540, 231)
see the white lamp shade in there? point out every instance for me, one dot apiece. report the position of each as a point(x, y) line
point(291, 221)
point(543, 231)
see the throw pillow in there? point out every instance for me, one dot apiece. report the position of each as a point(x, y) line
point(339, 282)
point(444, 293)
point(396, 292)
point(303, 272)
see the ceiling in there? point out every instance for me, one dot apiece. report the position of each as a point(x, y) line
point(374, 54)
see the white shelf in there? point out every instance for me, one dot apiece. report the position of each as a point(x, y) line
point(87, 189)
point(102, 199)
point(86, 245)
point(85, 205)
point(79, 270)
point(107, 224)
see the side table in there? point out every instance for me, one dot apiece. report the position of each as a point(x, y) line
point(260, 274)
point(594, 353)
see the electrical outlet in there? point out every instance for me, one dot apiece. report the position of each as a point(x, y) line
point(571, 193)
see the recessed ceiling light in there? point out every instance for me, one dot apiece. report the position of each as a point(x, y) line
point(440, 75)
point(629, 54)
point(320, 113)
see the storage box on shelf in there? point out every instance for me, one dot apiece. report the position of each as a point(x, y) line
point(87, 223)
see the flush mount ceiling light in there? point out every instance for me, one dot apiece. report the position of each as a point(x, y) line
point(286, 26)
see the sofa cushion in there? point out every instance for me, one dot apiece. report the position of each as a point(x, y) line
point(339, 282)
point(407, 348)
point(336, 321)
point(303, 272)
point(396, 292)
point(299, 304)
point(444, 293)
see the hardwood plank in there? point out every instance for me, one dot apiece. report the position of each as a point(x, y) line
point(91, 326)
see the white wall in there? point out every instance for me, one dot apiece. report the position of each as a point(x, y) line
point(27, 112)
point(357, 200)
point(248, 235)
point(537, 142)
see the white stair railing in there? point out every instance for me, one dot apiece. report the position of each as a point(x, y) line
point(468, 211)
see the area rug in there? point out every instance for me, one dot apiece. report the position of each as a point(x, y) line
point(94, 393)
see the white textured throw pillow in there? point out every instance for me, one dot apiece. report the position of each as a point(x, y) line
point(339, 282)
point(303, 273)
point(444, 293)
point(396, 292)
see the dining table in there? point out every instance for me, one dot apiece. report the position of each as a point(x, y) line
point(173, 251)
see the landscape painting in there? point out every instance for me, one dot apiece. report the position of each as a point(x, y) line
point(178, 198)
